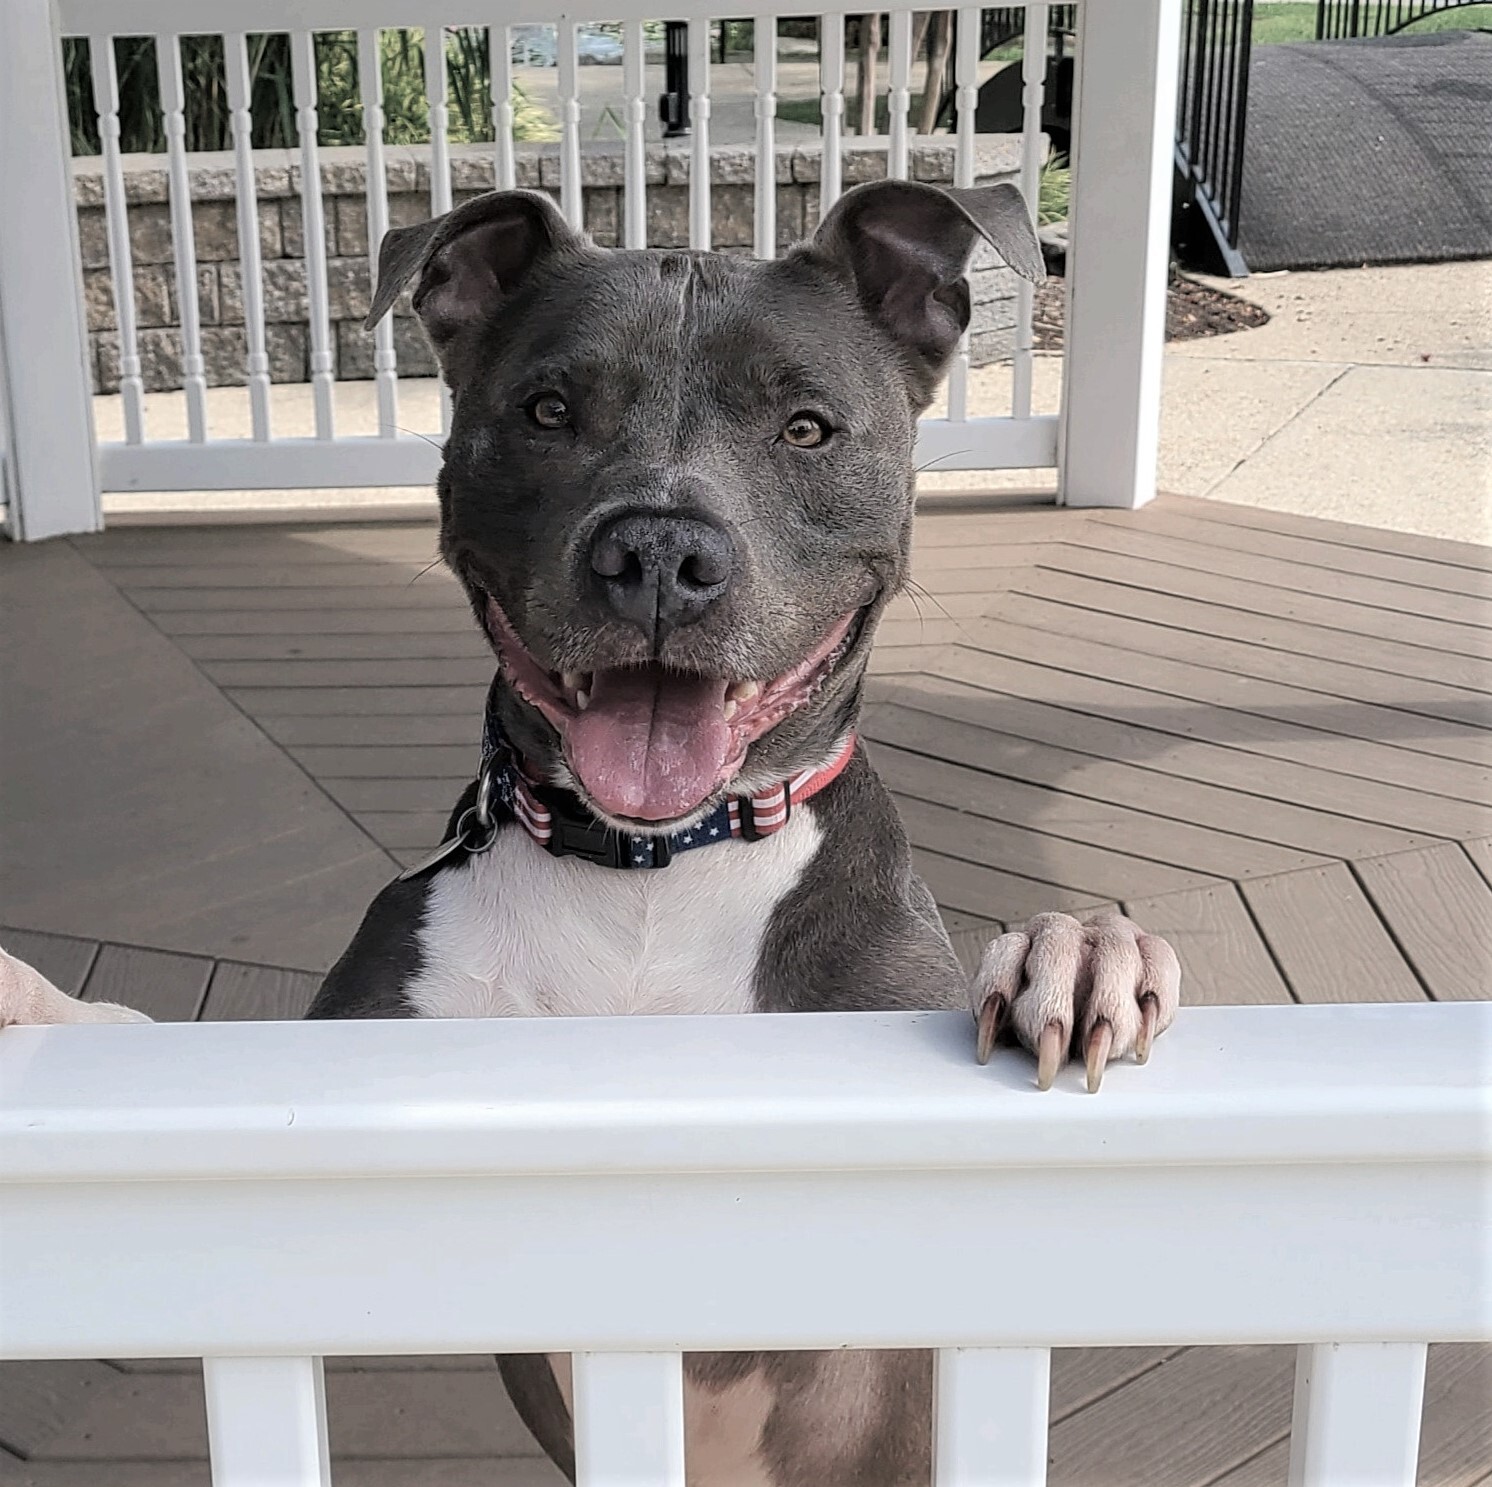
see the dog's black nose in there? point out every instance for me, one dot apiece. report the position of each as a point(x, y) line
point(661, 570)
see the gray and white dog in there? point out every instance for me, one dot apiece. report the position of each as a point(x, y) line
point(678, 491)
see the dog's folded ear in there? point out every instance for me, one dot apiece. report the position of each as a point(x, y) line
point(907, 247)
point(468, 260)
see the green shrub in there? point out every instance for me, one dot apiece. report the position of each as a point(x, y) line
point(272, 101)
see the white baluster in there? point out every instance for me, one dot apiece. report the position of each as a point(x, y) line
point(440, 152)
point(385, 364)
point(629, 1419)
point(1033, 85)
point(116, 216)
point(251, 266)
point(764, 78)
point(1356, 1420)
point(313, 228)
point(1124, 141)
point(266, 1422)
point(990, 1417)
point(572, 197)
point(965, 95)
point(899, 96)
point(965, 100)
point(440, 118)
point(173, 105)
point(699, 116)
point(635, 164)
point(500, 51)
point(831, 102)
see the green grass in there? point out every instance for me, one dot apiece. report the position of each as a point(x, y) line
point(1055, 189)
point(1295, 20)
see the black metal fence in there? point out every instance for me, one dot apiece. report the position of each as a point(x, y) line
point(1342, 19)
point(1211, 121)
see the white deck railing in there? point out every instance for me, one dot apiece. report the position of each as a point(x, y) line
point(1102, 442)
point(261, 1195)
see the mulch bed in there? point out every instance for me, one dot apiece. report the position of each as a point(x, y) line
point(1192, 311)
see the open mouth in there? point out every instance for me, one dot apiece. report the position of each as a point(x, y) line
point(650, 744)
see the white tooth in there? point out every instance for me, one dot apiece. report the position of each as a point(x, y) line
point(571, 680)
point(745, 691)
point(730, 711)
point(582, 700)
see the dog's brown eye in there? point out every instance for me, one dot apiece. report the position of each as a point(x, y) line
point(549, 411)
point(805, 431)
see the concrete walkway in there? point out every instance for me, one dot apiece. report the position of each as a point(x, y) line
point(1367, 398)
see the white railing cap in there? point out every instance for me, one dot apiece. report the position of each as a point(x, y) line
point(696, 1094)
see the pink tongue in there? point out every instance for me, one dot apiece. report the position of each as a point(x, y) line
point(652, 744)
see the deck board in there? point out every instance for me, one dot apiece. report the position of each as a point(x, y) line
point(164, 986)
point(244, 993)
point(997, 787)
point(1246, 712)
point(1458, 610)
point(1266, 737)
point(1334, 557)
point(1224, 959)
point(1433, 718)
point(1247, 753)
point(1419, 675)
point(1107, 760)
point(1216, 1407)
point(1327, 938)
point(1346, 534)
point(1453, 653)
point(1439, 909)
point(64, 960)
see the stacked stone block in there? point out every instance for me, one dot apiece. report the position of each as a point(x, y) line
point(343, 184)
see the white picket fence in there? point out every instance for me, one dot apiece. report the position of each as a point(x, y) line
point(262, 1195)
point(1102, 442)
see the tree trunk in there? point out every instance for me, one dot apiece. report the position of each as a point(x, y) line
point(939, 45)
point(919, 34)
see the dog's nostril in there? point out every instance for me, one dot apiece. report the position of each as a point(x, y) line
point(704, 570)
point(612, 559)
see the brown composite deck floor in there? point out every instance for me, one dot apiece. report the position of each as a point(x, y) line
point(1265, 736)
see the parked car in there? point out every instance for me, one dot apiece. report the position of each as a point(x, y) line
point(538, 46)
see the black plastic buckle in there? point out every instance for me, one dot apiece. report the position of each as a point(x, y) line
point(574, 835)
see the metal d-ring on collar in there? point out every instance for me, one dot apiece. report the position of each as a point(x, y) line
point(476, 827)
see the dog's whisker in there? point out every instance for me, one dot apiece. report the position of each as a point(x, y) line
point(433, 443)
point(952, 454)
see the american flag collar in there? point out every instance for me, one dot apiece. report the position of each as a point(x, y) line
point(559, 823)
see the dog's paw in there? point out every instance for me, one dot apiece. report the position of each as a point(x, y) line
point(27, 998)
point(1102, 989)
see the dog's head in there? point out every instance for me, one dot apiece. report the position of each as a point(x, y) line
point(678, 486)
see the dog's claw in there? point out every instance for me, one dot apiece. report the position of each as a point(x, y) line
point(1100, 1044)
point(1149, 1014)
point(991, 1017)
point(1050, 1050)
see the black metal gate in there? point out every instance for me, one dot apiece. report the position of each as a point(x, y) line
point(1211, 126)
point(1340, 19)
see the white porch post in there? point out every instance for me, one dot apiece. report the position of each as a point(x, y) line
point(51, 474)
point(1124, 106)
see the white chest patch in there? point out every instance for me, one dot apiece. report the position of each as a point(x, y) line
point(518, 933)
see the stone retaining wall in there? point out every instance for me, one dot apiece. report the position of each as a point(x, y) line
point(343, 183)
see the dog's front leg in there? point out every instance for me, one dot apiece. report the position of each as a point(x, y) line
point(1100, 989)
point(27, 998)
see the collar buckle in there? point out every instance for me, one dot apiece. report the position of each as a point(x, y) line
point(572, 834)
